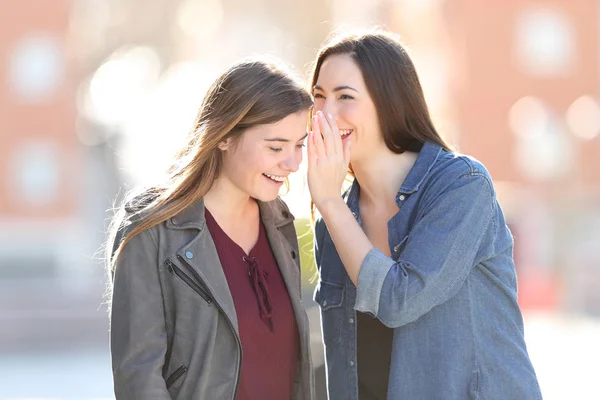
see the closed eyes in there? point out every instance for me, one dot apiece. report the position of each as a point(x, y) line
point(278, 149)
point(342, 97)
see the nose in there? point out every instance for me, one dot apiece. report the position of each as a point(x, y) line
point(327, 106)
point(292, 161)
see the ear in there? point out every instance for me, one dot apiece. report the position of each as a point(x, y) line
point(225, 144)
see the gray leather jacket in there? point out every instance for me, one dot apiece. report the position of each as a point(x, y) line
point(174, 331)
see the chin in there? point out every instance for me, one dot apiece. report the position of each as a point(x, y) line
point(265, 197)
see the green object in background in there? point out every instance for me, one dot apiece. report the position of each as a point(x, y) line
point(304, 230)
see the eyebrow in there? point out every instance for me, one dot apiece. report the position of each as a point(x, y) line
point(336, 89)
point(278, 139)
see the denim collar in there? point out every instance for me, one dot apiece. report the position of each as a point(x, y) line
point(416, 176)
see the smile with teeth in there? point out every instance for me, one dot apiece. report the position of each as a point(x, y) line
point(345, 132)
point(278, 179)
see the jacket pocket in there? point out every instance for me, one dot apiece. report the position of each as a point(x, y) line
point(174, 377)
point(330, 298)
point(188, 280)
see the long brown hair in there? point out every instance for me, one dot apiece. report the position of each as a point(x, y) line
point(250, 93)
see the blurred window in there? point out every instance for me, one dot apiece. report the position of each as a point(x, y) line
point(36, 67)
point(583, 118)
point(35, 167)
point(543, 150)
point(545, 42)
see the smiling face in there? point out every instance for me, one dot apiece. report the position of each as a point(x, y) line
point(340, 90)
point(258, 162)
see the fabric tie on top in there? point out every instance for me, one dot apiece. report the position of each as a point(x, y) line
point(259, 280)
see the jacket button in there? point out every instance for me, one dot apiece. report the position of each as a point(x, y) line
point(173, 221)
point(189, 254)
point(285, 214)
point(293, 254)
point(395, 249)
point(352, 363)
point(401, 197)
point(351, 320)
point(325, 303)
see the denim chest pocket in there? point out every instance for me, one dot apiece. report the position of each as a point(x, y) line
point(330, 298)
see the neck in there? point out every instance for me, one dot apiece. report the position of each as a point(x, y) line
point(227, 203)
point(380, 177)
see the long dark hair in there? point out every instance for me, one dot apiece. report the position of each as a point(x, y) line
point(393, 84)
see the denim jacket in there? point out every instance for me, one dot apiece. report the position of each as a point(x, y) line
point(449, 291)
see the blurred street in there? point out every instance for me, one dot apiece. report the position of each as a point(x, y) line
point(565, 352)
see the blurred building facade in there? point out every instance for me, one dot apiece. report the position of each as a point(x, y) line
point(515, 84)
point(58, 182)
point(39, 151)
point(47, 242)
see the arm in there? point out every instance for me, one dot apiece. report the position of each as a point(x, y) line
point(138, 334)
point(327, 167)
point(441, 247)
point(348, 237)
point(438, 256)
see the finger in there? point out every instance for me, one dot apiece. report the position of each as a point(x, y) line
point(347, 151)
point(311, 151)
point(318, 139)
point(336, 136)
point(327, 134)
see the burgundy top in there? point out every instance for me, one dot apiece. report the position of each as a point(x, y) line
point(266, 320)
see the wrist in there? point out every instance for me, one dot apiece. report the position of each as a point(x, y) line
point(326, 206)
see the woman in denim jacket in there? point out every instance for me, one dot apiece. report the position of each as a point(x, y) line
point(206, 300)
point(417, 288)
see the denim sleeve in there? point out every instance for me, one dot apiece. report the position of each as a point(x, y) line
point(438, 255)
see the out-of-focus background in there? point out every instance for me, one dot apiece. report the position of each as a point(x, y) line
point(96, 95)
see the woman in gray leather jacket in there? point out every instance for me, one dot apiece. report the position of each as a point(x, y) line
point(205, 269)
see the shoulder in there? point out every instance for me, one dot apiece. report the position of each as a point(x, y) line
point(137, 204)
point(458, 174)
point(131, 213)
point(452, 167)
point(456, 165)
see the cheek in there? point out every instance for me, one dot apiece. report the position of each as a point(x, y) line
point(350, 113)
point(245, 160)
point(318, 106)
point(258, 162)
